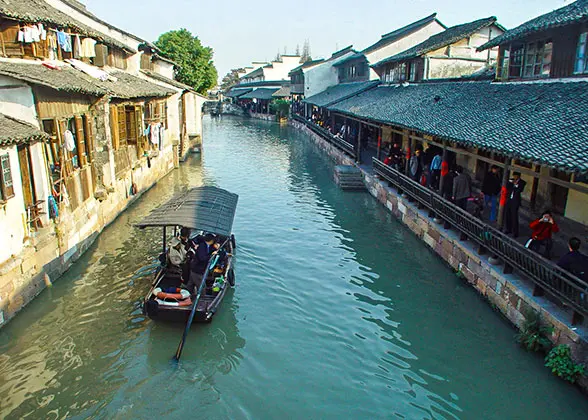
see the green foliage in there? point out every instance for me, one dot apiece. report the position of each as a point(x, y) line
point(280, 107)
point(559, 360)
point(534, 334)
point(196, 67)
point(230, 79)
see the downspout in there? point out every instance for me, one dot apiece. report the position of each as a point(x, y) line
point(427, 68)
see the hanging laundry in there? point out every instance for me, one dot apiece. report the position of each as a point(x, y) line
point(92, 71)
point(77, 47)
point(88, 48)
point(155, 131)
point(28, 35)
point(161, 137)
point(69, 141)
point(52, 42)
point(35, 33)
point(42, 31)
point(64, 41)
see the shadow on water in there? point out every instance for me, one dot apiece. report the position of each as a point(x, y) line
point(339, 311)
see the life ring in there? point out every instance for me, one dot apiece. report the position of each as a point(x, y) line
point(181, 294)
point(186, 302)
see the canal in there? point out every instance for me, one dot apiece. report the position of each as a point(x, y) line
point(339, 312)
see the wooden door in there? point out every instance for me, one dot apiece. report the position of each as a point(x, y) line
point(26, 173)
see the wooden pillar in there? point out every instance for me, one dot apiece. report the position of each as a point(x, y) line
point(333, 123)
point(444, 160)
point(345, 122)
point(408, 151)
point(358, 151)
point(379, 155)
point(502, 197)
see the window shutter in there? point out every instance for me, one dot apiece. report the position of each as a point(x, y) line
point(122, 126)
point(114, 126)
point(89, 135)
point(9, 34)
point(7, 186)
point(80, 142)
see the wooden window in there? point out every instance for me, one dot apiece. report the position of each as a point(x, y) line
point(52, 147)
point(122, 125)
point(581, 65)
point(6, 186)
point(146, 63)
point(117, 58)
point(9, 35)
point(504, 64)
point(538, 58)
point(412, 71)
point(89, 138)
point(516, 61)
point(80, 136)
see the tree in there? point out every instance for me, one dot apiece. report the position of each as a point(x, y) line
point(278, 56)
point(196, 67)
point(230, 79)
point(306, 52)
point(297, 49)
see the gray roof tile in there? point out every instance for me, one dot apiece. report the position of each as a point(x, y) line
point(567, 15)
point(339, 92)
point(546, 123)
point(440, 40)
point(13, 131)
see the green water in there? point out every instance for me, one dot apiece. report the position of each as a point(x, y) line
point(339, 312)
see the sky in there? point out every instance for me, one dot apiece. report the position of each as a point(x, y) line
point(245, 31)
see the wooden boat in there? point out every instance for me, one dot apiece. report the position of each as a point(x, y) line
point(203, 210)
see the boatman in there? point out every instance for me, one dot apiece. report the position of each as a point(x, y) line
point(199, 263)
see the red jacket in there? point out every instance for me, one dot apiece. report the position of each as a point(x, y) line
point(543, 230)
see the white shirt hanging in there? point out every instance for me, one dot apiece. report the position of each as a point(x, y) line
point(68, 141)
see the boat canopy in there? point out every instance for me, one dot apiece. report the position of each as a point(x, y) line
point(209, 209)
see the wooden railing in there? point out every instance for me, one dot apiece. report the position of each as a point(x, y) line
point(571, 290)
point(338, 142)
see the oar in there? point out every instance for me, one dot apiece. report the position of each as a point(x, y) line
point(210, 266)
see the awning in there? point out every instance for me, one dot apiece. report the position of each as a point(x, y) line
point(209, 209)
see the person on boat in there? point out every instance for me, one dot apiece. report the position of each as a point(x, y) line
point(177, 253)
point(199, 262)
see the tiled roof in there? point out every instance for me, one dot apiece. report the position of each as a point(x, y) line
point(283, 92)
point(440, 40)
point(393, 36)
point(567, 15)
point(68, 79)
point(13, 131)
point(354, 57)
point(128, 86)
point(339, 92)
point(236, 92)
point(522, 119)
point(164, 79)
point(39, 11)
point(306, 65)
point(262, 83)
point(261, 93)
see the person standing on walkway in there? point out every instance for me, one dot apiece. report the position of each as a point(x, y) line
point(514, 191)
point(462, 188)
point(574, 261)
point(416, 165)
point(435, 170)
point(542, 232)
point(491, 189)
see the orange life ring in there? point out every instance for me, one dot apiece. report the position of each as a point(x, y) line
point(181, 294)
point(186, 302)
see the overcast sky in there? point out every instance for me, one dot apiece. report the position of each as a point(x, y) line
point(245, 31)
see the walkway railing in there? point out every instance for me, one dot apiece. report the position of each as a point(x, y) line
point(571, 290)
point(338, 142)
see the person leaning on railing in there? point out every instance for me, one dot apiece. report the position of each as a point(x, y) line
point(542, 232)
point(575, 262)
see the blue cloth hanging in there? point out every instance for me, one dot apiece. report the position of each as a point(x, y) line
point(53, 208)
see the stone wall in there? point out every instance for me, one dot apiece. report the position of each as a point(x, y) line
point(509, 294)
point(53, 249)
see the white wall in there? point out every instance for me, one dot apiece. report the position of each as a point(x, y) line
point(280, 70)
point(322, 76)
point(164, 68)
point(131, 42)
point(402, 44)
point(12, 214)
point(17, 101)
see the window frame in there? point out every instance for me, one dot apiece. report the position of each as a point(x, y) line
point(6, 185)
point(583, 58)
